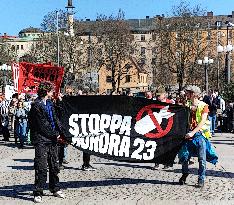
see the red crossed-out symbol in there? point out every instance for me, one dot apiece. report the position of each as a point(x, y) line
point(161, 132)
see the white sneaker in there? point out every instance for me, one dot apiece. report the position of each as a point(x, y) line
point(37, 199)
point(59, 194)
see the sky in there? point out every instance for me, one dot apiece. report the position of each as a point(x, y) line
point(16, 15)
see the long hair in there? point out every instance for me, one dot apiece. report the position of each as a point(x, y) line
point(43, 88)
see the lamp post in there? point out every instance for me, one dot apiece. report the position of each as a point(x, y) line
point(90, 61)
point(206, 61)
point(219, 50)
point(228, 50)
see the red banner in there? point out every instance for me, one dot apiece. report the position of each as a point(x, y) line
point(27, 76)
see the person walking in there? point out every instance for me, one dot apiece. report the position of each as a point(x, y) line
point(162, 96)
point(21, 119)
point(197, 140)
point(212, 102)
point(45, 134)
point(4, 118)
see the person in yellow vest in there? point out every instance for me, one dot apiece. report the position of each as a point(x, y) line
point(197, 142)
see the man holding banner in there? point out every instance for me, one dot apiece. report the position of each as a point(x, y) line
point(197, 144)
point(45, 134)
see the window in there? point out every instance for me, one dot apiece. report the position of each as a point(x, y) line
point(128, 66)
point(17, 47)
point(178, 54)
point(218, 24)
point(154, 51)
point(199, 35)
point(22, 47)
point(99, 51)
point(208, 35)
point(108, 91)
point(142, 37)
point(154, 37)
point(13, 48)
point(153, 62)
point(142, 51)
point(108, 79)
point(128, 79)
point(178, 44)
point(229, 34)
point(178, 35)
point(142, 61)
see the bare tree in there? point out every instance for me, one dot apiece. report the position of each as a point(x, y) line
point(49, 22)
point(183, 40)
point(115, 46)
point(45, 48)
point(7, 54)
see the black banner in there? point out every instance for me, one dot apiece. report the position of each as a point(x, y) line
point(125, 128)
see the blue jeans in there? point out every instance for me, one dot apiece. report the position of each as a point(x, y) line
point(65, 152)
point(21, 131)
point(212, 119)
point(200, 149)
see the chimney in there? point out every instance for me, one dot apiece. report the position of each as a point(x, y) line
point(210, 14)
point(5, 35)
point(147, 17)
point(87, 19)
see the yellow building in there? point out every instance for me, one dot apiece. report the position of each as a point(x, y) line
point(133, 78)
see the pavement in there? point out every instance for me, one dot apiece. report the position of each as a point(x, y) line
point(119, 182)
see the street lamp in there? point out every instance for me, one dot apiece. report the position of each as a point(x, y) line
point(219, 50)
point(90, 61)
point(226, 49)
point(206, 62)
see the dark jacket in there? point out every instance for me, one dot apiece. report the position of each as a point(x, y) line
point(41, 130)
point(212, 103)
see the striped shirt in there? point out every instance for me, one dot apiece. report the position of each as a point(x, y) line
point(4, 107)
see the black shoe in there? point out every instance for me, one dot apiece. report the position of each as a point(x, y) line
point(167, 166)
point(21, 146)
point(61, 167)
point(65, 161)
point(156, 166)
point(88, 168)
point(200, 184)
point(191, 162)
point(182, 180)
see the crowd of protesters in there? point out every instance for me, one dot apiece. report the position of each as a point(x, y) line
point(17, 118)
point(14, 112)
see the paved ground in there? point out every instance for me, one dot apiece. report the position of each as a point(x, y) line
point(119, 183)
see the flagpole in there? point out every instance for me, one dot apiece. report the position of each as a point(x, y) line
point(57, 21)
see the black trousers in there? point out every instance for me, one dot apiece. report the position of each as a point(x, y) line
point(46, 153)
point(86, 159)
point(61, 153)
point(5, 133)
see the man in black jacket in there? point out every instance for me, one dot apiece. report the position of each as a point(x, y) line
point(45, 133)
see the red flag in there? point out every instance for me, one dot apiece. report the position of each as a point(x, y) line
point(27, 76)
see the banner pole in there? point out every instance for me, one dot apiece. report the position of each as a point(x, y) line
point(57, 19)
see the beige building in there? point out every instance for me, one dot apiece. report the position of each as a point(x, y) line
point(21, 45)
point(133, 79)
point(146, 38)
